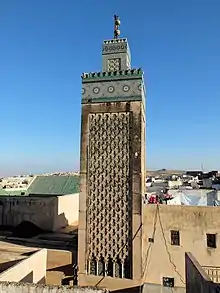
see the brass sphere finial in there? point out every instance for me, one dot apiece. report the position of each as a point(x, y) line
point(116, 26)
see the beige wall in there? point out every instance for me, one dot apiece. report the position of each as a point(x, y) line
point(58, 258)
point(59, 264)
point(18, 209)
point(67, 211)
point(160, 258)
point(31, 269)
point(49, 213)
point(175, 183)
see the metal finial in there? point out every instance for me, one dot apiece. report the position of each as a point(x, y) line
point(116, 27)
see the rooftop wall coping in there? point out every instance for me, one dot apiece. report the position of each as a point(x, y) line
point(52, 288)
point(33, 255)
point(195, 263)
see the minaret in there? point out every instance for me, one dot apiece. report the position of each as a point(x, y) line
point(112, 170)
point(115, 53)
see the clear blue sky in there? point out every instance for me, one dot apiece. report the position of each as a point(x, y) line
point(47, 44)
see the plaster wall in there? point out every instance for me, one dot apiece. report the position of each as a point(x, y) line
point(58, 258)
point(48, 213)
point(31, 269)
point(66, 211)
point(161, 259)
point(18, 209)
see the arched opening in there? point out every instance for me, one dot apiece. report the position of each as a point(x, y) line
point(101, 267)
point(26, 229)
point(110, 267)
point(118, 268)
point(127, 269)
point(92, 266)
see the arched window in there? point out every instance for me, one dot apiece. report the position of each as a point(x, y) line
point(110, 267)
point(127, 269)
point(118, 269)
point(93, 266)
point(101, 267)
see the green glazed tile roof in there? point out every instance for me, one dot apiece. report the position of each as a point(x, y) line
point(3, 192)
point(54, 185)
point(13, 192)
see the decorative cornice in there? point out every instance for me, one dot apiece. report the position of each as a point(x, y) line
point(112, 99)
point(110, 74)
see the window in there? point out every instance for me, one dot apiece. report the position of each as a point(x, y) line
point(211, 240)
point(168, 282)
point(175, 237)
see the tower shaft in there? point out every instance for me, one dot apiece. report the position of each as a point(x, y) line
point(112, 171)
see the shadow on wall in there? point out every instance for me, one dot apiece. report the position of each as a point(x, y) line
point(196, 278)
point(6, 265)
point(62, 261)
point(61, 221)
point(66, 269)
point(28, 278)
point(137, 289)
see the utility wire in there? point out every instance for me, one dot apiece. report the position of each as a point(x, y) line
point(120, 252)
point(146, 260)
point(150, 245)
point(156, 217)
point(167, 250)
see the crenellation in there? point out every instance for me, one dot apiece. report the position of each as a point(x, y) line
point(117, 73)
point(114, 41)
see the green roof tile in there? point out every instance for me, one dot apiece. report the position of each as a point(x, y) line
point(3, 192)
point(13, 192)
point(54, 185)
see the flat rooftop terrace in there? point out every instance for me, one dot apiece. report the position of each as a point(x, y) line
point(10, 254)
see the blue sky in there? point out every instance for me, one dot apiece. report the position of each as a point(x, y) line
point(46, 45)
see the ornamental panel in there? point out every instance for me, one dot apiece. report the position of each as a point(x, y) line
point(114, 64)
point(109, 191)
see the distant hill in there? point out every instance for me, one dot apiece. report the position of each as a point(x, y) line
point(161, 170)
point(164, 172)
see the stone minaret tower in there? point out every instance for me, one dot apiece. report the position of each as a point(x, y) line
point(112, 170)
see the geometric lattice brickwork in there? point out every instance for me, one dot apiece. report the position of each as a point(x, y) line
point(109, 195)
point(114, 64)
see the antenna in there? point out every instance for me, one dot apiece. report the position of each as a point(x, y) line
point(202, 168)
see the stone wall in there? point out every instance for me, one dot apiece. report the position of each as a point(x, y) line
point(31, 269)
point(48, 213)
point(15, 210)
point(131, 166)
point(31, 288)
